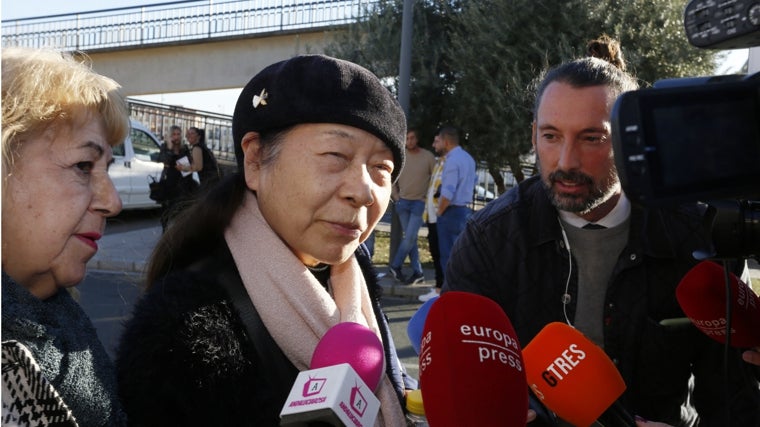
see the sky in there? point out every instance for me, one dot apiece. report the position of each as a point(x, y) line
point(218, 101)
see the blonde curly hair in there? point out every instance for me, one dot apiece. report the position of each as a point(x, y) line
point(44, 87)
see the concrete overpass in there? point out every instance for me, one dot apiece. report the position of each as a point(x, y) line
point(191, 46)
point(202, 66)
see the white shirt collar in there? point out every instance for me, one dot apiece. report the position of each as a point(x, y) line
point(617, 215)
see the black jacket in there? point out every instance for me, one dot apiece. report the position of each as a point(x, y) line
point(186, 360)
point(210, 173)
point(177, 186)
point(512, 251)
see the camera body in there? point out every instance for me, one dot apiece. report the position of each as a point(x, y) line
point(689, 140)
point(697, 140)
point(725, 24)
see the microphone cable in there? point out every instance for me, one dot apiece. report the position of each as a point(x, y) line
point(727, 344)
point(566, 296)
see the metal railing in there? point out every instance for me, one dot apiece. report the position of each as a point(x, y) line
point(179, 22)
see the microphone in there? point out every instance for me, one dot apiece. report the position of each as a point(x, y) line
point(416, 325)
point(702, 296)
point(346, 367)
point(471, 367)
point(573, 377)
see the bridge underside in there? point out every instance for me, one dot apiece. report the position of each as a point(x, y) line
point(221, 64)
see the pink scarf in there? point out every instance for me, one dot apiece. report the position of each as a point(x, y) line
point(294, 306)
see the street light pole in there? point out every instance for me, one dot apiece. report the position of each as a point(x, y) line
point(405, 61)
point(404, 78)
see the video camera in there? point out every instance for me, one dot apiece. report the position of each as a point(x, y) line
point(698, 139)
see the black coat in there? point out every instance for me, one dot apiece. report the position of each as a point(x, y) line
point(186, 360)
point(512, 251)
point(178, 187)
point(210, 173)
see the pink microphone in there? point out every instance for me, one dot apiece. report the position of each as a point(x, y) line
point(346, 367)
point(354, 344)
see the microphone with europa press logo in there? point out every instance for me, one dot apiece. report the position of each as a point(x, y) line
point(471, 365)
point(703, 297)
point(347, 365)
point(574, 378)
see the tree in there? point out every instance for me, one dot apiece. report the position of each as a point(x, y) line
point(653, 39)
point(502, 47)
point(475, 62)
point(507, 44)
point(375, 43)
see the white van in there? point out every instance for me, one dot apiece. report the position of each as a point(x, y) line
point(135, 162)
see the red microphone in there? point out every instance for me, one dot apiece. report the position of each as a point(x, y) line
point(346, 366)
point(471, 368)
point(572, 376)
point(702, 296)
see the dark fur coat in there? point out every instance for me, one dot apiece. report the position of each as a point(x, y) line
point(186, 360)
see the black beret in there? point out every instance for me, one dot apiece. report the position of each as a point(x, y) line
point(319, 89)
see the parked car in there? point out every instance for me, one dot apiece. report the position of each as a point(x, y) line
point(135, 165)
point(483, 195)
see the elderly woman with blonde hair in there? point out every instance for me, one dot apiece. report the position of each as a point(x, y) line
point(59, 122)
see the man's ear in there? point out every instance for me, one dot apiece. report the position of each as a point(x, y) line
point(533, 135)
point(251, 145)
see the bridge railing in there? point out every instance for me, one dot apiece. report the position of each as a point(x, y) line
point(179, 22)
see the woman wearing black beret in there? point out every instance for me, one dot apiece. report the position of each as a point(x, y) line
point(319, 142)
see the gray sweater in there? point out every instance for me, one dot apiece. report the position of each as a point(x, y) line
point(65, 345)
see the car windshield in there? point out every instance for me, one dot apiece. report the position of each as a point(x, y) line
point(145, 147)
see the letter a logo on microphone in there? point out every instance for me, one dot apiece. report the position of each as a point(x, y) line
point(358, 402)
point(313, 386)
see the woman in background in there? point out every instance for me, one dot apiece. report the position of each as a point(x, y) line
point(202, 160)
point(178, 188)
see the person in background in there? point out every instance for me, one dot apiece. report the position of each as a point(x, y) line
point(60, 120)
point(431, 207)
point(316, 163)
point(178, 187)
point(202, 160)
point(370, 245)
point(458, 180)
point(568, 246)
point(409, 196)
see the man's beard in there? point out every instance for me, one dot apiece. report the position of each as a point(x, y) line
point(581, 204)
